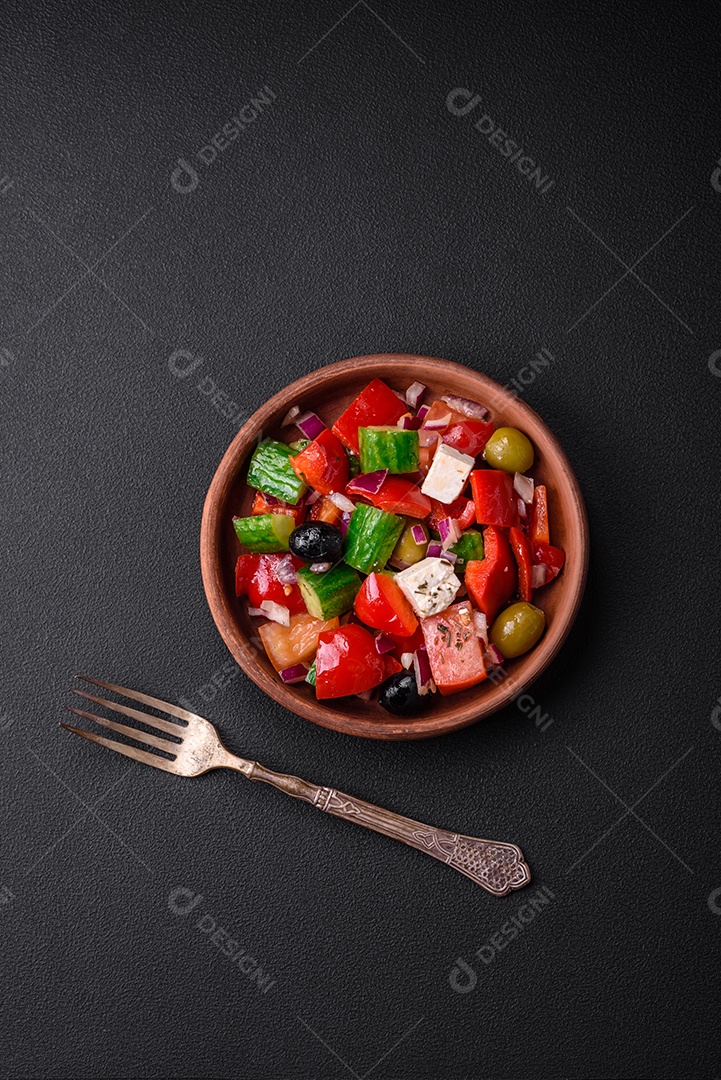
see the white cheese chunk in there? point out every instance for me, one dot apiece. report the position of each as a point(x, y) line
point(448, 474)
point(430, 585)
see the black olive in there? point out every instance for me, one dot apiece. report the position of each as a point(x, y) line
point(316, 541)
point(399, 694)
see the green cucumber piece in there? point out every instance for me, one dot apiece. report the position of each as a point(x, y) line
point(354, 466)
point(372, 535)
point(299, 444)
point(330, 594)
point(272, 473)
point(264, 533)
point(310, 677)
point(389, 448)
point(470, 546)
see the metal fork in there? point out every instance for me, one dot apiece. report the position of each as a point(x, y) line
point(498, 867)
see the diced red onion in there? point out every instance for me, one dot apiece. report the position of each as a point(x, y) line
point(450, 532)
point(285, 571)
point(398, 564)
point(344, 523)
point(539, 575)
point(272, 501)
point(434, 550)
point(414, 393)
point(524, 487)
point(290, 416)
point(384, 644)
point(492, 657)
point(365, 695)
point(419, 537)
point(320, 567)
point(311, 425)
point(522, 511)
point(342, 502)
point(256, 612)
point(294, 674)
point(439, 424)
point(407, 660)
point(448, 556)
point(369, 483)
point(422, 670)
point(423, 412)
point(481, 624)
point(465, 406)
point(312, 498)
point(427, 437)
point(276, 612)
point(409, 423)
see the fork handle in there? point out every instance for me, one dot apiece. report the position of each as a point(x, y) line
point(496, 866)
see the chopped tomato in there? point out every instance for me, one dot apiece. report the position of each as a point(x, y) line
point(390, 666)
point(289, 645)
point(522, 554)
point(377, 405)
point(539, 515)
point(462, 509)
point(396, 495)
point(256, 578)
point(495, 499)
point(323, 464)
point(454, 651)
point(425, 457)
point(549, 556)
point(491, 581)
point(382, 605)
point(264, 505)
point(468, 436)
point(347, 662)
point(325, 510)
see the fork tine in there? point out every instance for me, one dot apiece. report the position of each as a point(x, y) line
point(132, 733)
point(146, 699)
point(129, 751)
point(135, 714)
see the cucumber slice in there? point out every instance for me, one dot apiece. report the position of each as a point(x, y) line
point(272, 473)
point(354, 466)
point(389, 448)
point(299, 444)
point(372, 535)
point(310, 677)
point(470, 546)
point(264, 533)
point(330, 594)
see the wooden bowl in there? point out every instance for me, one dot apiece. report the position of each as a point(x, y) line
point(327, 392)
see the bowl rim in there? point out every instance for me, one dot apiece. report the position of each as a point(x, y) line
point(326, 715)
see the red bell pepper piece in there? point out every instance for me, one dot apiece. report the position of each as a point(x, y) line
point(256, 578)
point(347, 662)
point(323, 464)
point(549, 556)
point(382, 605)
point(491, 581)
point(495, 499)
point(522, 553)
point(264, 505)
point(407, 644)
point(462, 509)
point(468, 436)
point(539, 515)
point(390, 666)
point(396, 495)
point(325, 510)
point(377, 405)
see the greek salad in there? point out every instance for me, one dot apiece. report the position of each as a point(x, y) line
point(398, 552)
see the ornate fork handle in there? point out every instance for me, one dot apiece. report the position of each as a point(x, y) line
point(496, 866)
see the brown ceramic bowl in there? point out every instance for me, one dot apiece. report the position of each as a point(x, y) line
point(327, 392)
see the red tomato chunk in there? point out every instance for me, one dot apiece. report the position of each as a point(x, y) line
point(454, 650)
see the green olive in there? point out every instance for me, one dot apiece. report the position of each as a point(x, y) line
point(407, 549)
point(517, 629)
point(509, 449)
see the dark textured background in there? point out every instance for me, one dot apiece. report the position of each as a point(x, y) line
point(356, 214)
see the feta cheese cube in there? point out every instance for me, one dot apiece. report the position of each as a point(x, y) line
point(430, 586)
point(448, 474)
